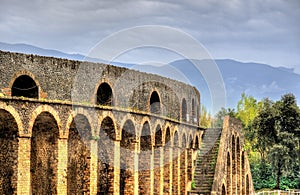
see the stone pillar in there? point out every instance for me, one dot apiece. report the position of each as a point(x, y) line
point(136, 170)
point(183, 171)
point(62, 165)
point(167, 175)
point(179, 170)
point(176, 171)
point(152, 170)
point(158, 169)
point(116, 184)
point(190, 165)
point(93, 167)
point(161, 180)
point(23, 186)
point(239, 190)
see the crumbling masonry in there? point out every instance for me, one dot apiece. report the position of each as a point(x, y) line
point(70, 127)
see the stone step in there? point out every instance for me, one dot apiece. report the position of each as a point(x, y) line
point(206, 161)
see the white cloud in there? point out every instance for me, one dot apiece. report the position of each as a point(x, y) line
point(255, 30)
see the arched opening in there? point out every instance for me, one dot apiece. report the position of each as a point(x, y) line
point(183, 159)
point(167, 161)
point(155, 103)
point(238, 166)
point(104, 95)
point(78, 173)
point(175, 163)
point(197, 143)
point(228, 174)
point(25, 86)
point(223, 190)
point(193, 111)
point(247, 185)
point(190, 158)
point(106, 156)
point(43, 155)
point(127, 153)
point(158, 150)
point(183, 110)
point(145, 160)
point(8, 153)
point(234, 175)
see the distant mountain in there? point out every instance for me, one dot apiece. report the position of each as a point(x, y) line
point(258, 80)
point(29, 49)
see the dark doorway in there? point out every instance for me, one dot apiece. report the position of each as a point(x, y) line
point(104, 95)
point(25, 86)
point(155, 103)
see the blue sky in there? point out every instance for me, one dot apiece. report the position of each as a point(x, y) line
point(265, 31)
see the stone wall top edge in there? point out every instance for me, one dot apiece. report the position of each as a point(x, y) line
point(78, 62)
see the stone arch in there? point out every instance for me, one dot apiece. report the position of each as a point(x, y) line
point(183, 161)
point(175, 164)
point(155, 102)
point(79, 154)
point(101, 117)
point(167, 160)
point(158, 136)
point(183, 140)
point(128, 149)
point(11, 110)
point(44, 153)
point(190, 140)
point(145, 159)
point(49, 109)
point(197, 144)
point(106, 143)
point(9, 133)
point(24, 83)
point(104, 94)
point(128, 119)
point(140, 125)
point(228, 173)
point(223, 191)
point(71, 117)
point(168, 137)
point(158, 150)
point(183, 110)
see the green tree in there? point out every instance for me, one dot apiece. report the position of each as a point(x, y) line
point(205, 118)
point(219, 117)
point(263, 128)
point(247, 109)
point(284, 155)
point(277, 132)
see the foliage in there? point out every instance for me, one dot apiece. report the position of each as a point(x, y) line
point(272, 137)
point(219, 117)
point(193, 185)
point(276, 130)
point(247, 109)
point(263, 178)
point(205, 118)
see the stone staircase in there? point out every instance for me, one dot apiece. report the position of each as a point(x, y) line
point(206, 162)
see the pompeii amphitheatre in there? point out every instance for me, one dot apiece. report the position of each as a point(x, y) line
point(70, 127)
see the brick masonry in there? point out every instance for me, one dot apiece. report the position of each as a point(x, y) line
point(62, 142)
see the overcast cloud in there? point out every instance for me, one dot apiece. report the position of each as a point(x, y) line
point(266, 31)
